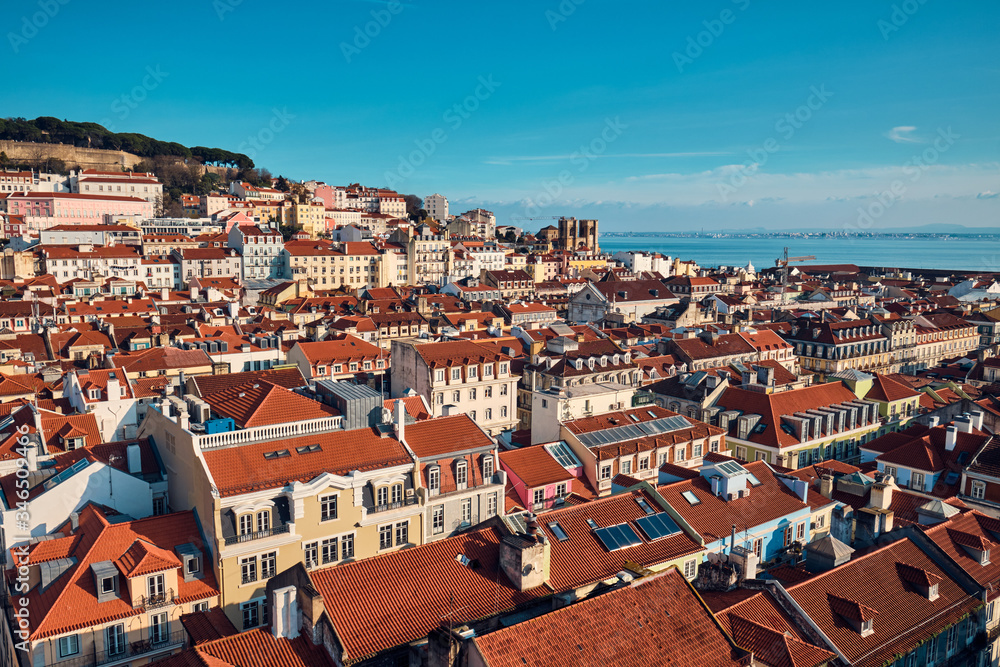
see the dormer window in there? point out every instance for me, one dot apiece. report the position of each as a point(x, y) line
point(984, 557)
point(263, 520)
point(473, 373)
point(461, 474)
point(866, 628)
point(434, 479)
point(246, 524)
point(95, 394)
point(487, 466)
point(456, 373)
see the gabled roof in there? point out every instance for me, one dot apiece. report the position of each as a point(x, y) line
point(144, 558)
point(265, 404)
point(655, 620)
point(254, 648)
point(70, 602)
point(902, 616)
point(534, 466)
point(433, 438)
point(289, 378)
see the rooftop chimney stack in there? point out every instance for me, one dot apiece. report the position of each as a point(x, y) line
point(400, 419)
point(950, 437)
point(285, 606)
point(826, 486)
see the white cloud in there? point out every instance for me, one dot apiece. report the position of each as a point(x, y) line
point(902, 134)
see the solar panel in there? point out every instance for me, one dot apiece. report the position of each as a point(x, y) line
point(617, 537)
point(657, 526)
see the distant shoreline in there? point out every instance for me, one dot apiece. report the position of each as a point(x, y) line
point(797, 235)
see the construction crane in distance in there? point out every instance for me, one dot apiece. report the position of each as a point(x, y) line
point(783, 262)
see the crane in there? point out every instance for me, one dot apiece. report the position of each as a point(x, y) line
point(783, 262)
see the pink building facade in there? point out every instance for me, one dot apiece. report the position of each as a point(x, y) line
point(42, 210)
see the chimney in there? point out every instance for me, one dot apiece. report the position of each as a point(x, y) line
point(31, 456)
point(765, 375)
point(964, 423)
point(164, 293)
point(285, 613)
point(950, 436)
point(977, 420)
point(400, 420)
point(74, 521)
point(933, 421)
point(732, 540)
point(826, 486)
point(881, 497)
point(134, 456)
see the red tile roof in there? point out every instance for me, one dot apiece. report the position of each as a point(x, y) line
point(265, 404)
point(714, 517)
point(243, 469)
point(902, 616)
point(255, 648)
point(445, 435)
point(534, 466)
point(206, 626)
point(656, 620)
point(70, 602)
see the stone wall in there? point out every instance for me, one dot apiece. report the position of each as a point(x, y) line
point(88, 158)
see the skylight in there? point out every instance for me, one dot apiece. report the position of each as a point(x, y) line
point(307, 449)
point(644, 505)
point(690, 497)
point(279, 454)
point(558, 531)
point(592, 524)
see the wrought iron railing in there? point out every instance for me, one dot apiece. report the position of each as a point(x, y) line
point(157, 600)
point(258, 534)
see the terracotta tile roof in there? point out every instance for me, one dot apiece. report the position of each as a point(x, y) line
point(714, 517)
point(772, 407)
point(656, 620)
point(289, 378)
point(458, 353)
point(975, 530)
point(902, 617)
point(342, 348)
point(144, 558)
point(243, 469)
point(534, 466)
point(70, 601)
point(254, 648)
point(161, 358)
point(885, 388)
point(445, 435)
point(775, 647)
point(206, 626)
point(414, 406)
point(265, 404)
point(370, 619)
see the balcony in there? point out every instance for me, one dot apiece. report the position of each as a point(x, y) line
point(127, 651)
point(258, 535)
point(157, 600)
point(388, 507)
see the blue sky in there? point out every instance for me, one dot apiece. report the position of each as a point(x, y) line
point(661, 116)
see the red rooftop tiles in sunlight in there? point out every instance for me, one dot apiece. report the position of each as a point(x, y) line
point(70, 602)
point(657, 620)
point(243, 469)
